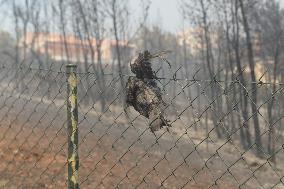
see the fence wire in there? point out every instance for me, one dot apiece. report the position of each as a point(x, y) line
point(211, 142)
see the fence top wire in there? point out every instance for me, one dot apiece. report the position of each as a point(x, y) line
point(193, 79)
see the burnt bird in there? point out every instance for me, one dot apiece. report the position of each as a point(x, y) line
point(142, 66)
point(143, 93)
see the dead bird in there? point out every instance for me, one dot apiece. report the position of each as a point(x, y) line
point(142, 66)
point(143, 93)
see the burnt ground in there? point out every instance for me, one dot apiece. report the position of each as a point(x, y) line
point(116, 154)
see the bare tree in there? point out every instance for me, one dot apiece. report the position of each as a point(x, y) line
point(245, 136)
point(272, 35)
point(250, 54)
point(118, 12)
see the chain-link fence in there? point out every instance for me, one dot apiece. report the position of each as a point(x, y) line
point(210, 144)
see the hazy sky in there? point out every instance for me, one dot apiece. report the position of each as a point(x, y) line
point(165, 13)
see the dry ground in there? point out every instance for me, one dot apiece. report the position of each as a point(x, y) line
point(116, 154)
point(37, 159)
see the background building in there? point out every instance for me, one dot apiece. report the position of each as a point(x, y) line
point(73, 49)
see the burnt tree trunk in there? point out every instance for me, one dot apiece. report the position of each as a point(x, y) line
point(244, 130)
point(253, 79)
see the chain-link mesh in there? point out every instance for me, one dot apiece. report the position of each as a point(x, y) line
point(203, 148)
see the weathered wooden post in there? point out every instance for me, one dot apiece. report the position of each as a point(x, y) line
point(72, 127)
